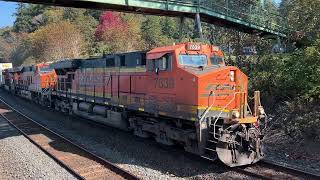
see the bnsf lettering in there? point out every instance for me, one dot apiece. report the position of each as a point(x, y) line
point(165, 83)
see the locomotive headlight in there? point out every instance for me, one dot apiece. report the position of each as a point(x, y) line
point(232, 76)
point(235, 114)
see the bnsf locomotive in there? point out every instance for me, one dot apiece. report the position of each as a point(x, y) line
point(181, 94)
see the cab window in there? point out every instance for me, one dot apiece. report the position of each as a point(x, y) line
point(162, 64)
point(217, 60)
point(193, 60)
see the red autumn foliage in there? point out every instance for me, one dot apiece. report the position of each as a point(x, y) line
point(108, 21)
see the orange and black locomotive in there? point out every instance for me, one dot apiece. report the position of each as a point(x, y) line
point(180, 94)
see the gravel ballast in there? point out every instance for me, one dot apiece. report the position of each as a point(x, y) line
point(20, 159)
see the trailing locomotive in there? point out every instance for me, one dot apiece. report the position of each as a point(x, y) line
point(181, 94)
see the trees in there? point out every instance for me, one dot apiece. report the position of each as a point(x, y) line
point(4, 50)
point(86, 24)
point(118, 33)
point(13, 46)
point(152, 33)
point(29, 17)
point(134, 23)
point(36, 23)
point(303, 19)
point(56, 41)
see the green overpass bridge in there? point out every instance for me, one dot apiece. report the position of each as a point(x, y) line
point(250, 16)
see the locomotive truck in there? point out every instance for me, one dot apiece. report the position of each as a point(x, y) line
point(181, 94)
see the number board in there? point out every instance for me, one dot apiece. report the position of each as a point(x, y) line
point(164, 83)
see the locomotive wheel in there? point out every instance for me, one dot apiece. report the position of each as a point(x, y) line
point(236, 155)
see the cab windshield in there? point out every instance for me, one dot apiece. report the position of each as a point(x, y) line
point(217, 60)
point(193, 60)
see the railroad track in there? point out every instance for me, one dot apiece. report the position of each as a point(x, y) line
point(289, 169)
point(80, 162)
point(266, 169)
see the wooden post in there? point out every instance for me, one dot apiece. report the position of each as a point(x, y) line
point(256, 102)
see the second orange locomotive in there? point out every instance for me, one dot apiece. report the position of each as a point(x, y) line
point(181, 94)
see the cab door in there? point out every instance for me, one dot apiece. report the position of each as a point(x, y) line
point(161, 85)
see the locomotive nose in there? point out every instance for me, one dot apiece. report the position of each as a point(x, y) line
point(219, 88)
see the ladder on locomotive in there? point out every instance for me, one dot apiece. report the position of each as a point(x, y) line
point(215, 124)
point(45, 91)
point(212, 140)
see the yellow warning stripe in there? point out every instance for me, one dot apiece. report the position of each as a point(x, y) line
point(213, 108)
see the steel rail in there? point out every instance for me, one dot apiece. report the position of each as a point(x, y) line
point(112, 167)
point(61, 163)
point(276, 166)
point(289, 169)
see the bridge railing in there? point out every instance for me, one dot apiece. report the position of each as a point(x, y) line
point(266, 16)
point(251, 12)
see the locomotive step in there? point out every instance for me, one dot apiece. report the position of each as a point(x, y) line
point(209, 158)
point(210, 149)
point(219, 126)
point(212, 141)
point(213, 133)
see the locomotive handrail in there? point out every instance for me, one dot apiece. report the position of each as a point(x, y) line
point(215, 122)
point(204, 114)
point(207, 110)
point(209, 107)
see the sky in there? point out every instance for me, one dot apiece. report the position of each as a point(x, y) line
point(8, 8)
point(6, 13)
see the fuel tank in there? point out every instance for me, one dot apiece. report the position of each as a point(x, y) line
point(101, 114)
point(99, 110)
point(85, 106)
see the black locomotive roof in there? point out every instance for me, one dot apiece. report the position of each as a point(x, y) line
point(16, 69)
point(112, 60)
point(93, 63)
point(66, 64)
point(28, 68)
point(98, 62)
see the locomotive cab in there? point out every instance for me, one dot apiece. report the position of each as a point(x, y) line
point(45, 76)
point(39, 77)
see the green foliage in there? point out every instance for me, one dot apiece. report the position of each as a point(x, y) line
point(170, 27)
point(300, 119)
point(303, 19)
point(28, 17)
point(286, 76)
point(53, 15)
point(86, 23)
point(94, 13)
point(152, 33)
point(290, 86)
